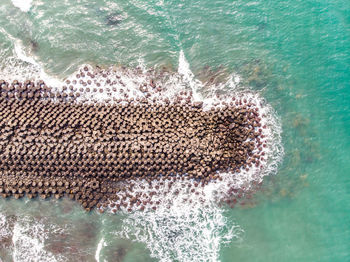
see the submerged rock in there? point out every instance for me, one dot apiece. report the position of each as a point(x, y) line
point(114, 19)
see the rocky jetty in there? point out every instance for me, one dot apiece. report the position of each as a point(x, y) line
point(52, 144)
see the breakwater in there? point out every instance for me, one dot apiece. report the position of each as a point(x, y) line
point(53, 144)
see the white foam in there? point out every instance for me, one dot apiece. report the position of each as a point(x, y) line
point(182, 233)
point(23, 5)
point(100, 245)
point(28, 239)
point(188, 77)
point(4, 227)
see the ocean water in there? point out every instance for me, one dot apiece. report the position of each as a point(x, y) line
point(293, 55)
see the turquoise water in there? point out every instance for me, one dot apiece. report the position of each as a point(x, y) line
point(296, 54)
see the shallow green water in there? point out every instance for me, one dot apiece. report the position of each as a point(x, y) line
point(295, 53)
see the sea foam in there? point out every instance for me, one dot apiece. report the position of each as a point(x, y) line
point(23, 5)
point(100, 245)
point(28, 239)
